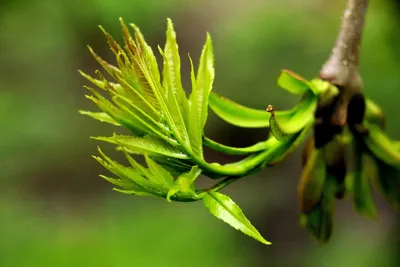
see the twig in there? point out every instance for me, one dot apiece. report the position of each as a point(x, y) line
point(341, 69)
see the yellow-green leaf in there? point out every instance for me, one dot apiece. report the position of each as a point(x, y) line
point(222, 207)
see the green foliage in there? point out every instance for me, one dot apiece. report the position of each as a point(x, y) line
point(167, 129)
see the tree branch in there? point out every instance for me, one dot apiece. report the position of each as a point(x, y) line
point(341, 69)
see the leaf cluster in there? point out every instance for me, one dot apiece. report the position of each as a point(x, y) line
point(167, 129)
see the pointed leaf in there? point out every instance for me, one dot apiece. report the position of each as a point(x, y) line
point(119, 116)
point(145, 145)
point(174, 70)
point(174, 105)
point(320, 221)
point(138, 183)
point(381, 146)
point(204, 79)
point(159, 175)
point(195, 106)
point(222, 207)
point(100, 116)
point(292, 82)
point(290, 121)
point(362, 195)
point(312, 181)
point(388, 179)
point(374, 114)
point(237, 114)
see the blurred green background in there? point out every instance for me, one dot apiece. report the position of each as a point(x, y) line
point(56, 211)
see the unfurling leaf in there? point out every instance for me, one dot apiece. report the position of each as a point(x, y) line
point(198, 100)
point(145, 145)
point(100, 116)
point(312, 181)
point(362, 195)
point(320, 220)
point(388, 180)
point(381, 146)
point(293, 83)
point(184, 184)
point(237, 114)
point(374, 114)
point(222, 207)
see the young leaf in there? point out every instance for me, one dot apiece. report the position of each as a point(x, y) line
point(374, 114)
point(274, 125)
point(145, 145)
point(173, 104)
point(184, 184)
point(381, 146)
point(198, 99)
point(236, 114)
point(320, 220)
point(100, 116)
point(222, 207)
point(118, 115)
point(151, 127)
point(290, 121)
point(137, 182)
point(294, 121)
point(159, 175)
point(195, 129)
point(171, 52)
point(388, 179)
point(362, 197)
point(312, 181)
point(292, 82)
point(204, 79)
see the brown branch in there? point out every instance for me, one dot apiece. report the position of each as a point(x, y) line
point(341, 69)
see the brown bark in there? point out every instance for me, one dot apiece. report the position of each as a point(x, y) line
point(341, 69)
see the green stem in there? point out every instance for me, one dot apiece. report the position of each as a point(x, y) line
point(250, 163)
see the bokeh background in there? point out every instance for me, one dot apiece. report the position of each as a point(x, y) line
point(56, 211)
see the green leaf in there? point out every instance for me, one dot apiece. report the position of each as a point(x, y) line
point(362, 195)
point(118, 182)
point(289, 121)
point(374, 114)
point(312, 181)
point(159, 175)
point(174, 109)
point(286, 123)
point(204, 80)
point(145, 145)
point(292, 144)
point(198, 100)
point(147, 123)
point(222, 207)
point(320, 220)
point(184, 184)
point(237, 114)
point(388, 180)
point(171, 52)
point(292, 82)
point(137, 182)
point(381, 146)
point(100, 116)
point(195, 129)
point(118, 115)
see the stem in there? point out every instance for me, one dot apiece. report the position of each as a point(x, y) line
point(341, 69)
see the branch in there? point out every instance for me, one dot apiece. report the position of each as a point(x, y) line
point(341, 69)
